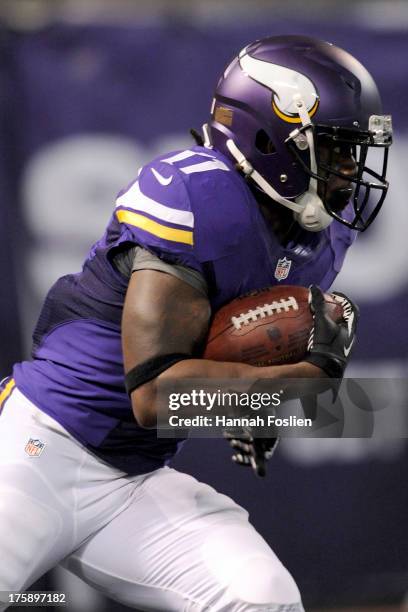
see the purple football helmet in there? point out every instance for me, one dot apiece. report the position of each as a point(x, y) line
point(274, 107)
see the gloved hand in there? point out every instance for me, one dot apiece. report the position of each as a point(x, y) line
point(250, 451)
point(330, 343)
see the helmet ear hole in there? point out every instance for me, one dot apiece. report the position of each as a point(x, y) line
point(263, 143)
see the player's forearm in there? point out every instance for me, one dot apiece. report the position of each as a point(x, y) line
point(144, 399)
point(205, 368)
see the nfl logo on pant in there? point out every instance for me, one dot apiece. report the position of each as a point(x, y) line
point(34, 447)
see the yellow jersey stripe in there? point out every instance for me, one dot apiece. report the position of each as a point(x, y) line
point(6, 392)
point(138, 202)
point(148, 225)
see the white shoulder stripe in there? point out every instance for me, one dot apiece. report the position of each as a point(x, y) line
point(214, 164)
point(185, 155)
point(136, 200)
point(179, 157)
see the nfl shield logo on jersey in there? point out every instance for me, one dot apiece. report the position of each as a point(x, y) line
point(282, 268)
point(34, 448)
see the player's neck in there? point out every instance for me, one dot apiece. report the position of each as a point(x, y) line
point(279, 219)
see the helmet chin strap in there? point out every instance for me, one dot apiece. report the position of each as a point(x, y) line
point(308, 209)
point(314, 216)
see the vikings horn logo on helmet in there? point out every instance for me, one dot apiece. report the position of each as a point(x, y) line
point(284, 84)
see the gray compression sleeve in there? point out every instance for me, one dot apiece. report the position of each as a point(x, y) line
point(137, 258)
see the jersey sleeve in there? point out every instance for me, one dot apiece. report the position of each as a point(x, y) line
point(155, 212)
point(188, 207)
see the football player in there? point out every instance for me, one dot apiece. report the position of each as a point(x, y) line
point(274, 192)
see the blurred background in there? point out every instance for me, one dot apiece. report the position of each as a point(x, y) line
point(92, 89)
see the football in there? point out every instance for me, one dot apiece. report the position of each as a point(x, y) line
point(266, 327)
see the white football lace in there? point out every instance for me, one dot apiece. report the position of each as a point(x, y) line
point(267, 310)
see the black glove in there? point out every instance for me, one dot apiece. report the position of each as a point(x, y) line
point(330, 343)
point(250, 451)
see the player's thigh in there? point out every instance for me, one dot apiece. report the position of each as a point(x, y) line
point(35, 528)
point(182, 546)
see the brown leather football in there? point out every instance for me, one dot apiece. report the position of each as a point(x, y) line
point(267, 327)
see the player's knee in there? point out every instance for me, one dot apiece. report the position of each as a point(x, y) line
point(28, 531)
point(264, 584)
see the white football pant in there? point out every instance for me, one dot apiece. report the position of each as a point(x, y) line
point(161, 541)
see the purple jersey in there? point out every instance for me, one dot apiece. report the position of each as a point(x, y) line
point(190, 208)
